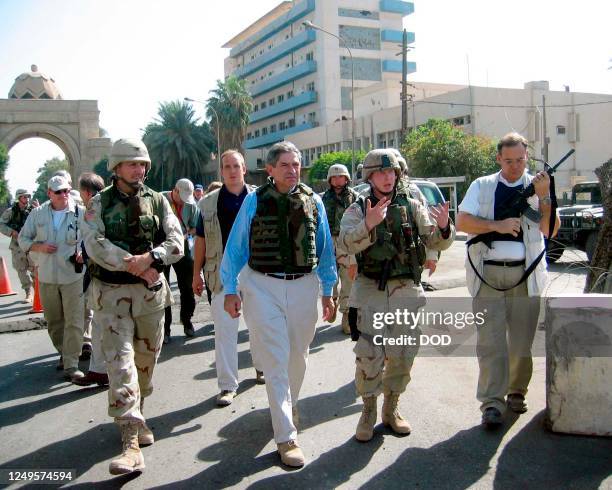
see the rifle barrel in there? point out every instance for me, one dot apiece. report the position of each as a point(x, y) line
point(552, 170)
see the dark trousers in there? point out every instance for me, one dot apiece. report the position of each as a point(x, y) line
point(184, 275)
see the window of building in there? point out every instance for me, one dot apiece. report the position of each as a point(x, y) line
point(271, 101)
point(270, 73)
point(311, 117)
point(309, 56)
point(282, 125)
point(264, 131)
point(257, 133)
point(290, 94)
point(291, 123)
point(280, 98)
point(263, 104)
point(249, 136)
point(287, 65)
point(560, 129)
point(273, 128)
point(255, 107)
point(310, 86)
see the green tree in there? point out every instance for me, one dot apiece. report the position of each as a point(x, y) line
point(178, 146)
point(5, 193)
point(101, 168)
point(319, 168)
point(233, 104)
point(45, 173)
point(438, 149)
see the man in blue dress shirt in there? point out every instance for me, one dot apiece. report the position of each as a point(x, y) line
point(281, 231)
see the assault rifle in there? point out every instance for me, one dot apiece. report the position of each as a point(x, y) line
point(515, 208)
point(518, 206)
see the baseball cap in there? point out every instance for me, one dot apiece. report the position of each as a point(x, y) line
point(57, 183)
point(22, 192)
point(185, 189)
point(199, 186)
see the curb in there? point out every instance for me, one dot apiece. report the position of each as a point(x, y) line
point(35, 323)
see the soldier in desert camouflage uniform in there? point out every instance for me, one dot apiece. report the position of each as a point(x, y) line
point(388, 231)
point(337, 199)
point(131, 234)
point(11, 222)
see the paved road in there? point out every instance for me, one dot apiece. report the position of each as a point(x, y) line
point(46, 422)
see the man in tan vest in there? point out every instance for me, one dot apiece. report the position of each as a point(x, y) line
point(211, 237)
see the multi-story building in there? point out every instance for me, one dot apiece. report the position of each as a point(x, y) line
point(578, 120)
point(300, 78)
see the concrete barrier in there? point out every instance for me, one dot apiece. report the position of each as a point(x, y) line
point(579, 364)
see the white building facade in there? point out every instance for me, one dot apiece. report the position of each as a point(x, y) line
point(582, 121)
point(300, 78)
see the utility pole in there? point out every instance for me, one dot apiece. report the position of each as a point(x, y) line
point(544, 134)
point(404, 95)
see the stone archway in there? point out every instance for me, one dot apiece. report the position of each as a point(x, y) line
point(71, 124)
point(35, 108)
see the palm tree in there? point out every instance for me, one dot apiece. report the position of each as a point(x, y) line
point(232, 103)
point(179, 147)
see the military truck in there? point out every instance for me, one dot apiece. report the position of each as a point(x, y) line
point(580, 222)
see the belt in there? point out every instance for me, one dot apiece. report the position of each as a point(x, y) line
point(505, 263)
point(286, 277)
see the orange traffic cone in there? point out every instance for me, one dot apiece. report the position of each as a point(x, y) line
point(5, 282)
point(37, 306)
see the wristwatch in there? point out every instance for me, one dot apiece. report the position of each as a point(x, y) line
point(157, 263)
point(546, 200)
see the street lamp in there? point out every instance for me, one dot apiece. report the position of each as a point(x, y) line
point(208, 106)
point(310, 25)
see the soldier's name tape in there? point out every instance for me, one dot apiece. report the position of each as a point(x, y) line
point(36, 475)
point(411, 319)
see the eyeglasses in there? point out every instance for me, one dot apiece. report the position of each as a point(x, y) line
point(61, 191)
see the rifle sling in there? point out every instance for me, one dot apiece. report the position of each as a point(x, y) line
point(536, 261)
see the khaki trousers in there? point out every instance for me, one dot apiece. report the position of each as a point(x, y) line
point(63, 305)
point(504, 340)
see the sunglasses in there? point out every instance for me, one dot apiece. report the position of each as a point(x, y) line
point(61, 191)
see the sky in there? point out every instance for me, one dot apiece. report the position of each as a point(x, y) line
point(130, 55)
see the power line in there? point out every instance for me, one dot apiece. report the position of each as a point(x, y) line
point(511, 106)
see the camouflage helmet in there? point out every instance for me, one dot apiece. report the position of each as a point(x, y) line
point(22, 192)
point(401, 160)
point(337, 170)
point(128, 150)
point(380, 159)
